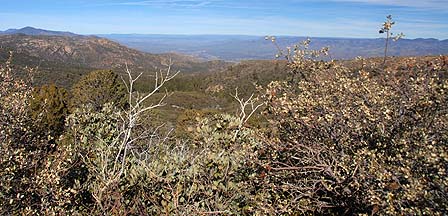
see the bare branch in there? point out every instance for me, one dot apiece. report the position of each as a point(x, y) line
point(245, 104)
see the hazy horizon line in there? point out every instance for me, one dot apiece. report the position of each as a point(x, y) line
point(211, 34)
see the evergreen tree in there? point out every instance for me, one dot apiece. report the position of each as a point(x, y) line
point(97, 88)
point(49, 108)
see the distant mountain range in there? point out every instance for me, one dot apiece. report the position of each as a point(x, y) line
point(235, 47)
point(241, 47)
point(35, 31)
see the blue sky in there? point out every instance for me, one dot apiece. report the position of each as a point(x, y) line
point(322, 18)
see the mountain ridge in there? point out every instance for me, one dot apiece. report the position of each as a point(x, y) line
point(55, 55)
point(237, 48)
point(28, 30)
point(246, 47)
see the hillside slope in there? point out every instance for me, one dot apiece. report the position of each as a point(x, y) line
point(57, 54)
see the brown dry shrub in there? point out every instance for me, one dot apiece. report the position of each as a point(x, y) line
point(22, 147)
point(355, 142)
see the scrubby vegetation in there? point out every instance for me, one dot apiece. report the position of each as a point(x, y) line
point(325, 137)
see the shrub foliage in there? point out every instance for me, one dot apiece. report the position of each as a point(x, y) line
point(354, 142)
point(339, 140)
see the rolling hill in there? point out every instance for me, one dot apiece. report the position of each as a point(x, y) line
point(63, 59)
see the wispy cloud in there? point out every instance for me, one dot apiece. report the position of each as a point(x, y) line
point(419, 4)
point(168, 3)
point(342, 18)
point(194, 4)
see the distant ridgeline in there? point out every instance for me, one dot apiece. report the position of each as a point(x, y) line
point(35, 31)
point(236, 47)
point(243, 47)
point(63, 57)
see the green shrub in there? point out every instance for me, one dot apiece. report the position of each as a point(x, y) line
point(186, 121)
point(209, 174)
point(49, 109)
point(98, 88)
